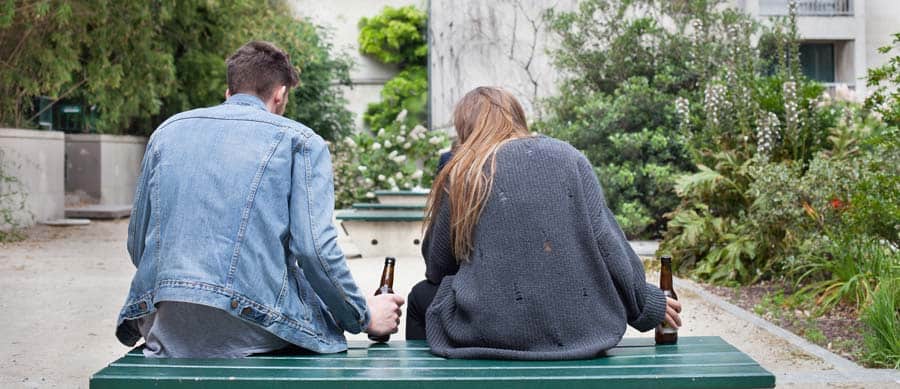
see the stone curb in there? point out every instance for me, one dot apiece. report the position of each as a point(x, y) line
point(847, 371)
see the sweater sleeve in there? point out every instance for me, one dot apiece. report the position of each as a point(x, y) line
point(645, 304)
point(436, 247)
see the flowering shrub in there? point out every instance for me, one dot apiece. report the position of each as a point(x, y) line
point(394, 157)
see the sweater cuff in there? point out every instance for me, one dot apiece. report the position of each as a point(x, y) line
point(654, 310)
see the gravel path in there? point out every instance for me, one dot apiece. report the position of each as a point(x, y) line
point(60, 291)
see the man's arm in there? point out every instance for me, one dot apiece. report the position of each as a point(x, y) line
point(314, 239)
point(140, 210)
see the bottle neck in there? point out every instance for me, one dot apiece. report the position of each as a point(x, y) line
point(387, 276)
point(665, 275)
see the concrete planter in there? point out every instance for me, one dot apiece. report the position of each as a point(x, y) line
point(36, 160)
point(104, 167)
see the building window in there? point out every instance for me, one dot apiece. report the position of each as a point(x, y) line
point(817, 61)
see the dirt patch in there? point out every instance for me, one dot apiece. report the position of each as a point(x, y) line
point(839, 329)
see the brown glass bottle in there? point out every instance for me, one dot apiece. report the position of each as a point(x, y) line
point(385, 286)
point(666, 334)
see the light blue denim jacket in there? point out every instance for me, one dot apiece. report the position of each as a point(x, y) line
point(233, 210)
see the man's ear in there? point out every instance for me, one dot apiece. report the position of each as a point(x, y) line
point(279, 96)
point(227, 93)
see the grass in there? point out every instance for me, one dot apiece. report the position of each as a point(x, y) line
point(882, 319)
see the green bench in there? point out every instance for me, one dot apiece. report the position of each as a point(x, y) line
point(695, 362)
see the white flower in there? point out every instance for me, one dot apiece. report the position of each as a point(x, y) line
point(402, 116)
point(400, 159)
point(403, 127)
point(417, 174)
point(388, 144)
point(407, 145)
point(407, 185)
point(381, 177)
point(434, 140)
point(392, 154)
point(362, 168)
point(400, 139)
point(381, 131)
point(349, 142)
point(370, 195)
point(392, 181)
point(444, 150)
point(369, 181)
point(376, 146)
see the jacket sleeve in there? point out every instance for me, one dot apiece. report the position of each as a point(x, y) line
point(436, 247)
point(314, 239)
point(140, 210)
point(645, 304)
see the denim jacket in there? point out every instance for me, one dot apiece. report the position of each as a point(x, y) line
point(233, 210)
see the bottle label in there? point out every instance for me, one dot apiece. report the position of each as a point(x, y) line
point(665, 328)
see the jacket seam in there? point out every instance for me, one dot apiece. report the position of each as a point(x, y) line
point(248, 206)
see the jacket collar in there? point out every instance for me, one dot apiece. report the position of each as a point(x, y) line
point(248, 100)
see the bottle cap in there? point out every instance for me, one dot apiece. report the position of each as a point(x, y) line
point(390, 260)
point(666, 258)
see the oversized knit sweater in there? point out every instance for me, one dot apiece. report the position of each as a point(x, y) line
point(551, 275)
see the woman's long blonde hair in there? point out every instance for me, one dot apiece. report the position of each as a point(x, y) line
point(485, 119)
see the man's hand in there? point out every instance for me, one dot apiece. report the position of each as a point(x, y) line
point(384, 314)
point(673, 308)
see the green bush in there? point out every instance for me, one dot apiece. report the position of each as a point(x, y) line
point(885, 97)
point(397, 36)
point(627, 68)
point(408, 91)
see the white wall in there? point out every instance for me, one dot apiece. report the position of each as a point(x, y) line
point(882, 21)
point(35, 159)
point(341, 18)
point(105, 167)
point(501, 43)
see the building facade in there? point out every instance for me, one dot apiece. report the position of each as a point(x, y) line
point(840, 38)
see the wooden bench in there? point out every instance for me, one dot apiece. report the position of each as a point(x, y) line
point(695, 362)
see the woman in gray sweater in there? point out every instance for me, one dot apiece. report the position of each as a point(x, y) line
point(523, 258)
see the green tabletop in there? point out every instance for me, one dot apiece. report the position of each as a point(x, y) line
point(695, 362)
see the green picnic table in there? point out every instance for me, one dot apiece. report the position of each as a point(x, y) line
point(695, 362)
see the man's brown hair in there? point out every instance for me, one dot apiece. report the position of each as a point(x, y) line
point(259, 67)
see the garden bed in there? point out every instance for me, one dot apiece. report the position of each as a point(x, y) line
point(839, 329)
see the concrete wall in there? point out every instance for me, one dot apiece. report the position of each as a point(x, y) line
point(105, 167)
point(501, 43)
point(882, 21)
point(35, 159)
point(341, 18)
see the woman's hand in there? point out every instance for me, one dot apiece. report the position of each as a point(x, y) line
point(673, 308)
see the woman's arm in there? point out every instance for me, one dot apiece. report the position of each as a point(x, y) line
point(436, 247)
point(645, 304)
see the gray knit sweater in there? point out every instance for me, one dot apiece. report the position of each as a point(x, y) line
point(551, 275)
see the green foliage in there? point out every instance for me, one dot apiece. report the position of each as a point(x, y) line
point(106, 53)
point(885, 81)
point(203, 34)
point(136, 63)
point(395, 36)
point(408, 90)
point(628, 61)
point(395, 157)
point(882, 319)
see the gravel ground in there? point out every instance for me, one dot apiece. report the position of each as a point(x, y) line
point(61, 289)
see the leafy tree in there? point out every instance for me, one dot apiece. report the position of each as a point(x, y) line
point(885, 79)
point(136, 63)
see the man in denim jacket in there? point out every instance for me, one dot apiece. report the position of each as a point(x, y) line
point(231, 230)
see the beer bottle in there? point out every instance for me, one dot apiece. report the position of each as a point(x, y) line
point(385, 286)
point(666, 334)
